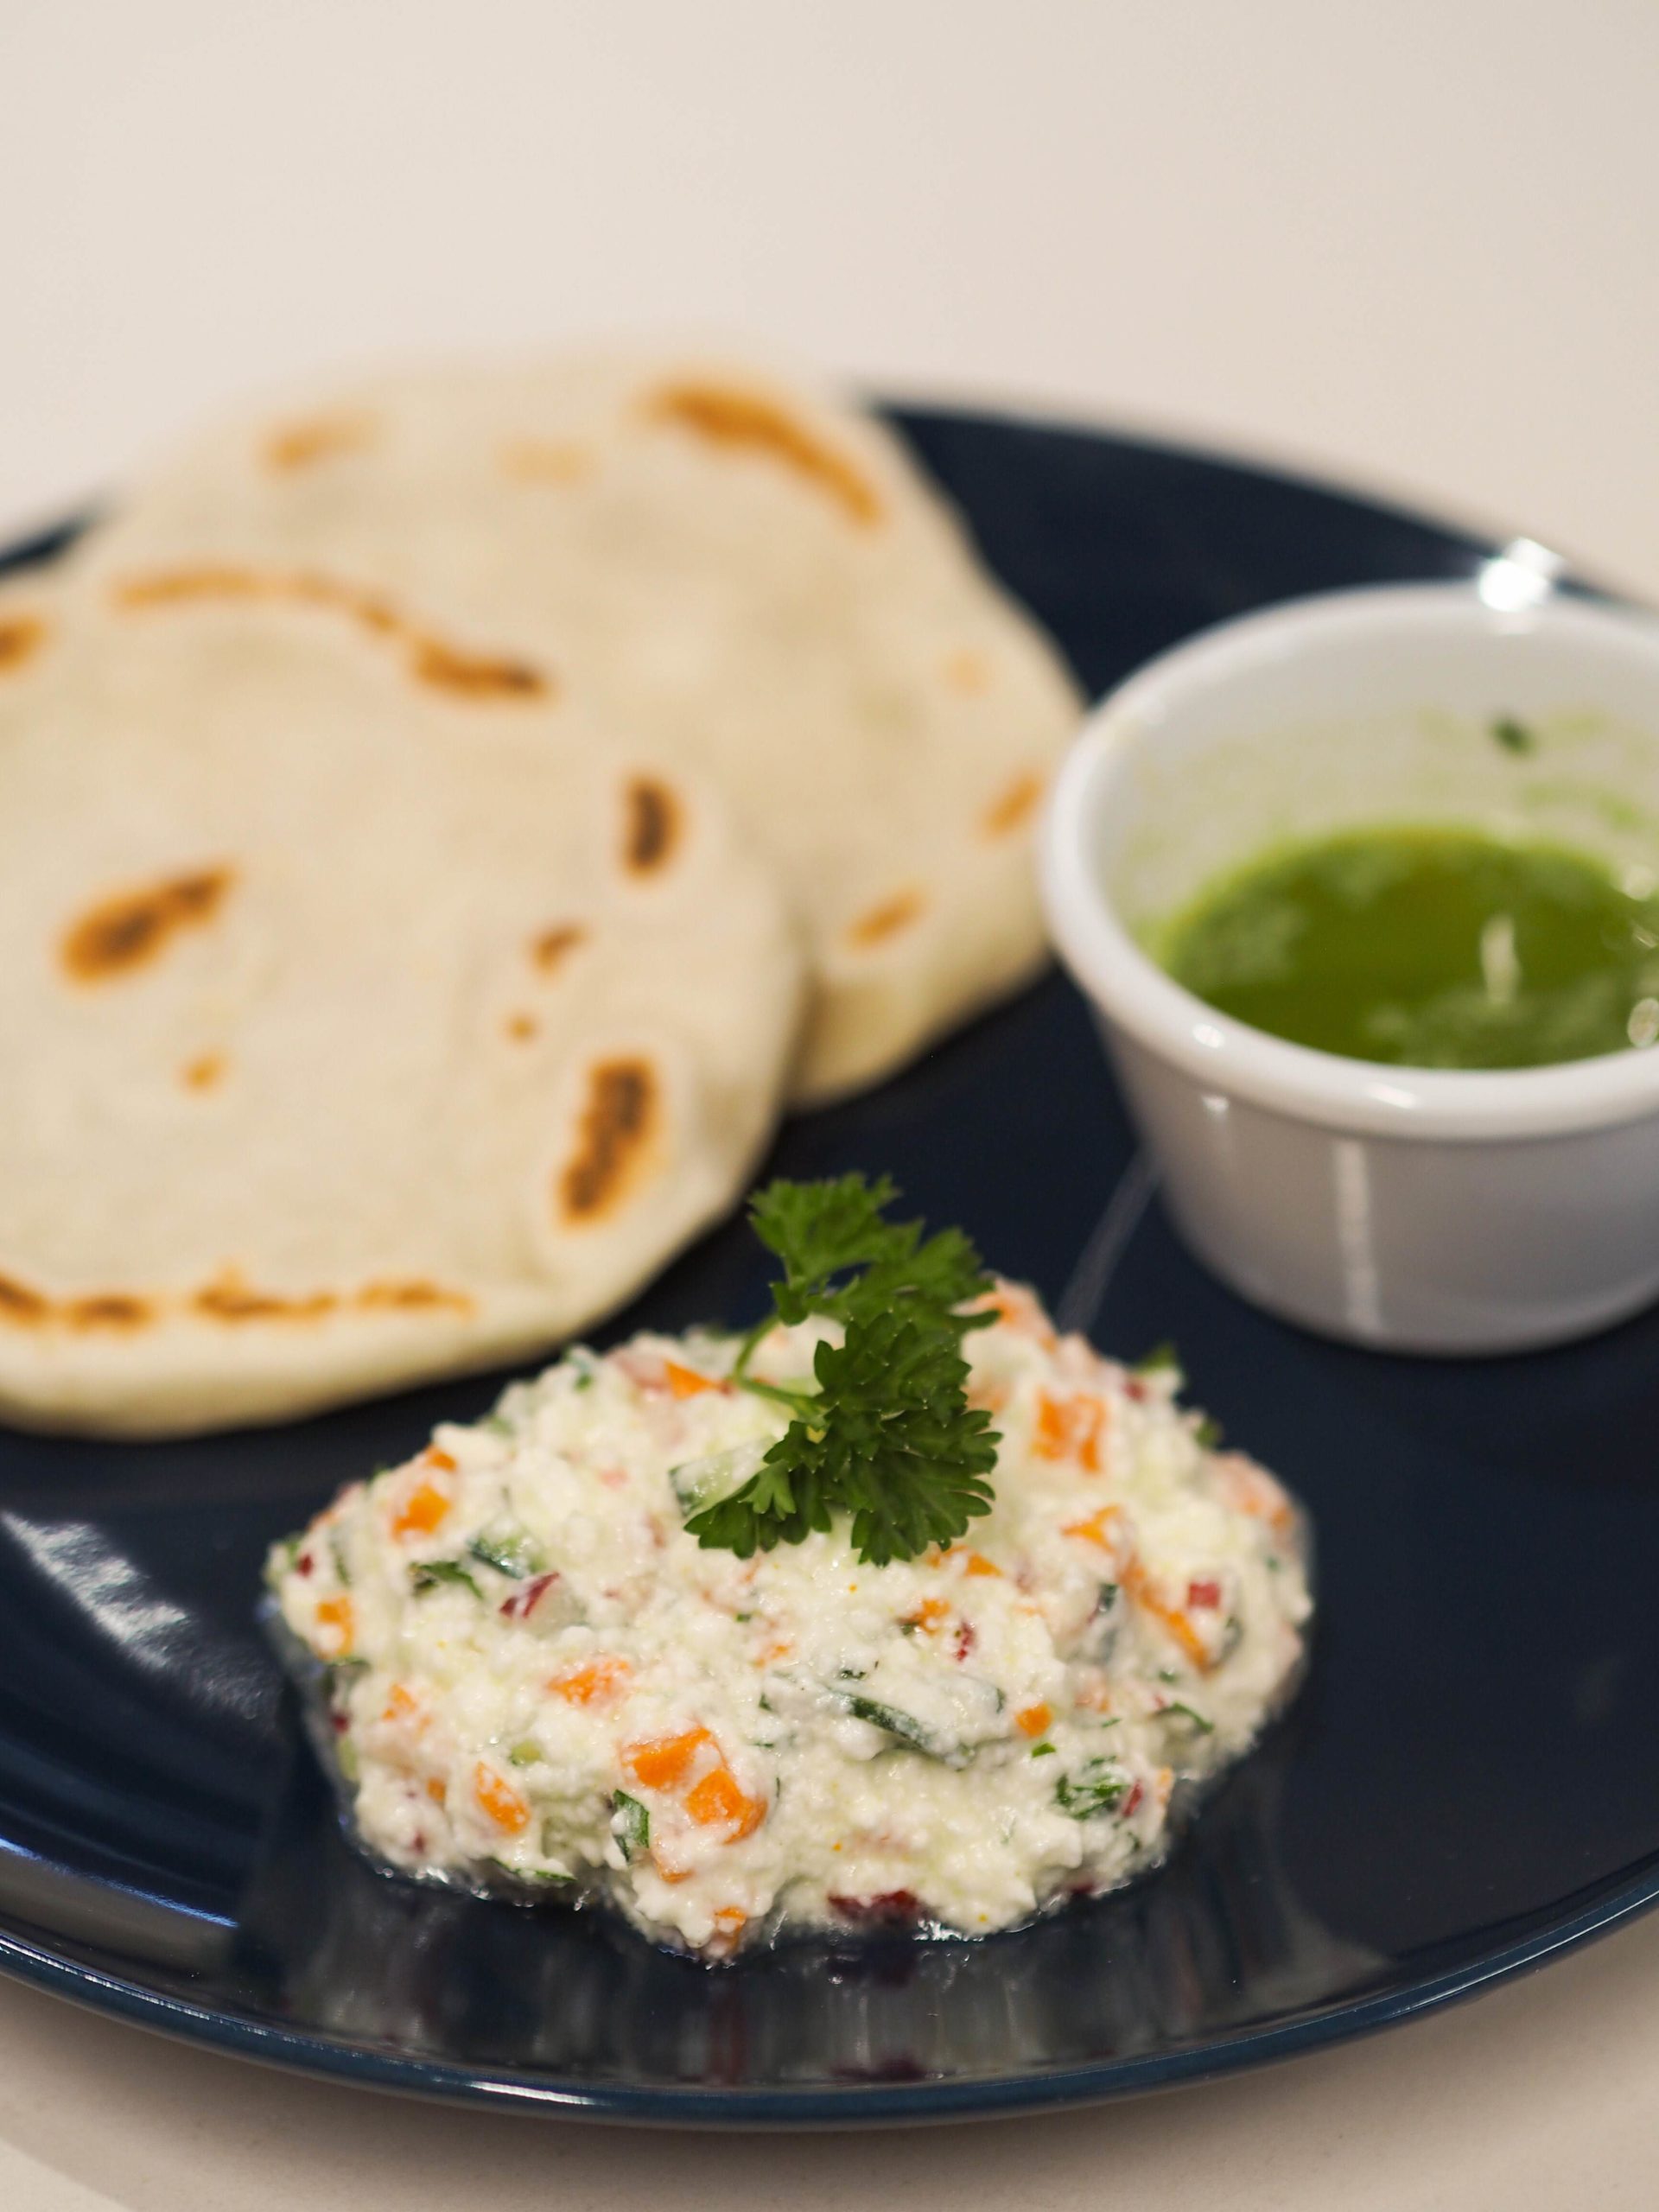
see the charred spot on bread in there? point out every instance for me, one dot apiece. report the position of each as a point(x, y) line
point(476, 675)
point(1013, 806)
point(317, 437)
point(129, 928)
point(21, 637)
point(552, 947)
point(885, 919)
point(616, 1130)
point(20, 1305)
point(106, 1309)
point(651, 831)
point(726, 415)
point(432, 660)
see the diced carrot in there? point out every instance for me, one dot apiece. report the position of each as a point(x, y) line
point(436, 1457)
point(929, 1613)
point(662, 1762)
point(399, 1704)
point(732, 1918)
point(1162, 1782)
point(686, 1383)
point(776, 1651)
point(1169, 1617)
point(1097, 1529)
point(436, 1790)
point(497, 1796)
point(717, 1800)
point(1093, 1696)
point(595, 1683)
point(1018, 1310)
point(335, 1615)
point(421, 1512)
point(978, 1564)
point(1033, 1720)
point(1070, 1428)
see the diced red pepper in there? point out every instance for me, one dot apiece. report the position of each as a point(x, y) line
point(523, 1603)
point(1203, 1596)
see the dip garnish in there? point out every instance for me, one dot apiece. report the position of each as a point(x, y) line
point(887, 1434)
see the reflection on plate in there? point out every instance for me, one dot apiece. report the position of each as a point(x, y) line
point(1451, 1798)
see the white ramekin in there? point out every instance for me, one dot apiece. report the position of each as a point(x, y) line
point(1423, 1211)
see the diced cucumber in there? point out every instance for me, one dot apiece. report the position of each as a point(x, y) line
point(510, 1551)
point(525, 1754)
point(630, 1824)
point(717, 1475)
point(905, 1727)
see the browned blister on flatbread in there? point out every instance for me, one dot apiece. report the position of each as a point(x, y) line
point(127, 929)
point(617, 1131)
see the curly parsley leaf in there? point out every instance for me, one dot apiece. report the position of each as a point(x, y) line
point(888, 1437)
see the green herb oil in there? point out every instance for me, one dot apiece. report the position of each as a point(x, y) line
point(1430, 948)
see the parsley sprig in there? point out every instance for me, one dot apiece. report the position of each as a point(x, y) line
point(886, 1435)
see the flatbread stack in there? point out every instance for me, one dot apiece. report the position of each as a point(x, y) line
point(441, 823)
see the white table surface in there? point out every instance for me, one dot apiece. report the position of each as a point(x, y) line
point(1411, 243)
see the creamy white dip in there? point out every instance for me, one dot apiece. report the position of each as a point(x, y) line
point(538, 1678)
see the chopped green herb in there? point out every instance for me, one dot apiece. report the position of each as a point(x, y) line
point(432, 1574)
point(1044, 1752)
point(342, 1565)
point(1514, 736)
point(510, 1552)
point(1163, 1357)
point(1185, 1712)
point(908, 1730)
point(1169, 1674)
point(496, 1424)
point(630, 1824)
point(1107, 1597)
point(1096, 1787)
point(345, 1758)
point(886, 1435)
point(1208, 1432)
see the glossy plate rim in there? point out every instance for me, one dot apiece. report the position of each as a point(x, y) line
point(864, 2104)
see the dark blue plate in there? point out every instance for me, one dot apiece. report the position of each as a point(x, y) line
point(1461, 1790)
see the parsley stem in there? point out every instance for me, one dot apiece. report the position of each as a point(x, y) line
point(799, 1401)
point(751, 1342)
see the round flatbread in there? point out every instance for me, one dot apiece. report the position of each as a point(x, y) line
point(366, 1017)
point(750, 578)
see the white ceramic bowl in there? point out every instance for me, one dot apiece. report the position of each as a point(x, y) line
point(1420, 1209)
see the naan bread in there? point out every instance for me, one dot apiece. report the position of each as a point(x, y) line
point(750, 580)
point(365, 1017)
